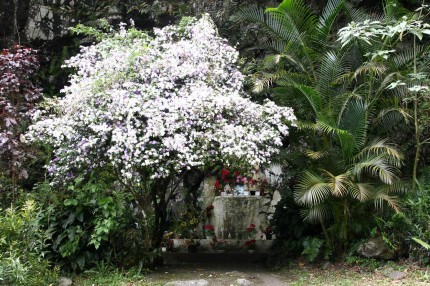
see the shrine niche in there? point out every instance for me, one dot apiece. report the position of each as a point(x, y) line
point(235, 216)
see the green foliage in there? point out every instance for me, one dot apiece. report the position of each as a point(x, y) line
point(368, 263)
point(312, 247)
point(23, 247)
point(83, 218)
point(338, 94)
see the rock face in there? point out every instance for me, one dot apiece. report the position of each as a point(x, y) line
point(376, 248)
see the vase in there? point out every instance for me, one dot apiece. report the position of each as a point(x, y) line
point(164, 249)
point(268, 236)
point(252, 193)
point(257, 193)
point(209, 237)
point(224, 194)
point(246, 193)
point(240, 189)
point(251, 250)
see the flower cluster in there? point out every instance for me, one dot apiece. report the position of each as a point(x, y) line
point(209, 230)
point(152, 107)
point(251, 230)
point(226, 180)
point(250, 243)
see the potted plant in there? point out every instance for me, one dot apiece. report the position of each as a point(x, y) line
point(209, 231)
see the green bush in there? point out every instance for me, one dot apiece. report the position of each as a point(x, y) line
point(23, 247)
point(93, 221)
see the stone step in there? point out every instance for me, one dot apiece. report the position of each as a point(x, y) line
point(171, 258)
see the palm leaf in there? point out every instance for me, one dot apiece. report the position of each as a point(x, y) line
point(339, 184)
point(381, 148)
point(327, 18)
point(376, 166)
point(311, 189)
point(332, 66)
point(312, 96)
point(392, 201)
point(388, 118)
point(315, 155)
point(345, 138)
point(361, 191)
point(354, 119)
point(316, 213)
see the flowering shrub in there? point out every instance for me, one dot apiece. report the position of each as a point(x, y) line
point(153, 108)
point(17, 97)
point(158, 106)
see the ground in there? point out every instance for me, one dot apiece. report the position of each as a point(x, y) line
point(298, 273)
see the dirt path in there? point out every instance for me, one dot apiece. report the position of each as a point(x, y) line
point(215, 275)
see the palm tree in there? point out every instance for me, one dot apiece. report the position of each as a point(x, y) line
point(339, 96)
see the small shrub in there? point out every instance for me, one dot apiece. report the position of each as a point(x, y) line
point(23, 247)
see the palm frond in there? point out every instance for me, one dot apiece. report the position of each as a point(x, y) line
point(346, 139)
point(392, 201)
point(313, 97)
point(361, 191)
point(316, 214)
point(303, 125)
point(339, 184)
point(332, 66)
point(315, 155)
point(355, 14)
point(371, 67)
point(355, 119)
point(311, 189)
point(388, 118)
point(328, 17)
point(380, 147)
point(376, 166)
point(405, 57)
point(299, 12)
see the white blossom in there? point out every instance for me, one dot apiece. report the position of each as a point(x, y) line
point(161, 105)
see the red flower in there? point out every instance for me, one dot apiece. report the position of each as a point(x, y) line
point(217, 185)
point(250, 242)
point(209, 227)
point(251, 227)
point(224, 173)
point(236, 173)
